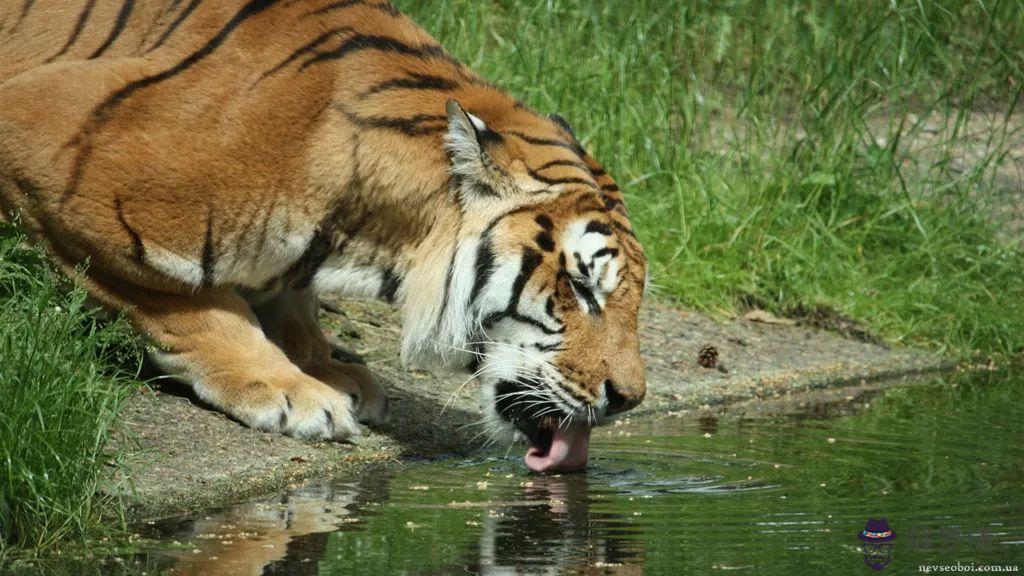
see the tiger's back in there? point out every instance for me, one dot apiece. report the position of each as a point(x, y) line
point(192, 93)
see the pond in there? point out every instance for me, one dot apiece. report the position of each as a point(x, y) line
point(763, 488)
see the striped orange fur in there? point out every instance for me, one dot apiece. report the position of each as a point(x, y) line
point(219, 164)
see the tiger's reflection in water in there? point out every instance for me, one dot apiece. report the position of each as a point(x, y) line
point(286, 534)
point(550, 528)
point(541, 525)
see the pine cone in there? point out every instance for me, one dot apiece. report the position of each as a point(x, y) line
point(708, 356)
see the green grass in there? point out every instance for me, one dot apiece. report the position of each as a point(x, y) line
point(766, 147)
point(60, 390)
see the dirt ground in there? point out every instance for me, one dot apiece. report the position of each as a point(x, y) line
point(180, 456)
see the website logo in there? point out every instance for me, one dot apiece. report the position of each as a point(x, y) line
point(877, 544)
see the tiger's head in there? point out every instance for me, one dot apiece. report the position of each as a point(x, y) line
point(544, 286)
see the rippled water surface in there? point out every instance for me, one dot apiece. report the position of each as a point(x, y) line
point(782, 489)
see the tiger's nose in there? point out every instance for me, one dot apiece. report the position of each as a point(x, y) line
point(621, 398)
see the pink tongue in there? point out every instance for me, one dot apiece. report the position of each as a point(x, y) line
point(568, 451)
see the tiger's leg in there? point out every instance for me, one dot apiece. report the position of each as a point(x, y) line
point(213, 341)
point(290, 320)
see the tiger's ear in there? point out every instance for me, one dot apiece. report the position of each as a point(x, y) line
point(465, 144)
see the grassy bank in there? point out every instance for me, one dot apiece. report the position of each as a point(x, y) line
point(801, 155)
point(59, 394)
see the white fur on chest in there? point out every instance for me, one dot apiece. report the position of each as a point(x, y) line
point(338, 277)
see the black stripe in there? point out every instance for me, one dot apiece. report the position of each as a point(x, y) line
point(484, 266)
point(623, 228)
point(579, 264)
point(448, 278)
point(308, 48)
point(492, 319)
point(563, 123)
point(416, 125)
point(251, 8)
point(174, 25)
point(587, 201)
point(362, 42)
point(546, 141)
point(26, 187)
point(545, 242)
point(389, 285)
point(561, 162)
point(531, 261)
point(209, 258)
point(610, 187)
point(138, 250)
point(101, 113)
point(342, 4)
point(597, 171)
point(598, 227)
point(322, 244)
point(631, 249)
point(545, 222)
point(26, 7)
point(561, 180)
point(122, 20)
point(302, 271)
point(584, 292)
point(484, 189)
point(606, 251)
point(414, 81)
point(478, 186)
point(83, 17)
point(519, 210)
point(486, 137)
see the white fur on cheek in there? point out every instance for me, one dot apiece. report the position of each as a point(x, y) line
point(436, 328)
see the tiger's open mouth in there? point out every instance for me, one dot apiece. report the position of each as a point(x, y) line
point(555, 445)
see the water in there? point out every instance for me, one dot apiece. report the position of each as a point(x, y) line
point(781, 489)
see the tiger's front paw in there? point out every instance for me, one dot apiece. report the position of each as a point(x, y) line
point(361, 386)
point(300, 407)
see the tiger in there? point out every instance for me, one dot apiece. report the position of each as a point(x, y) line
point(210, 169)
